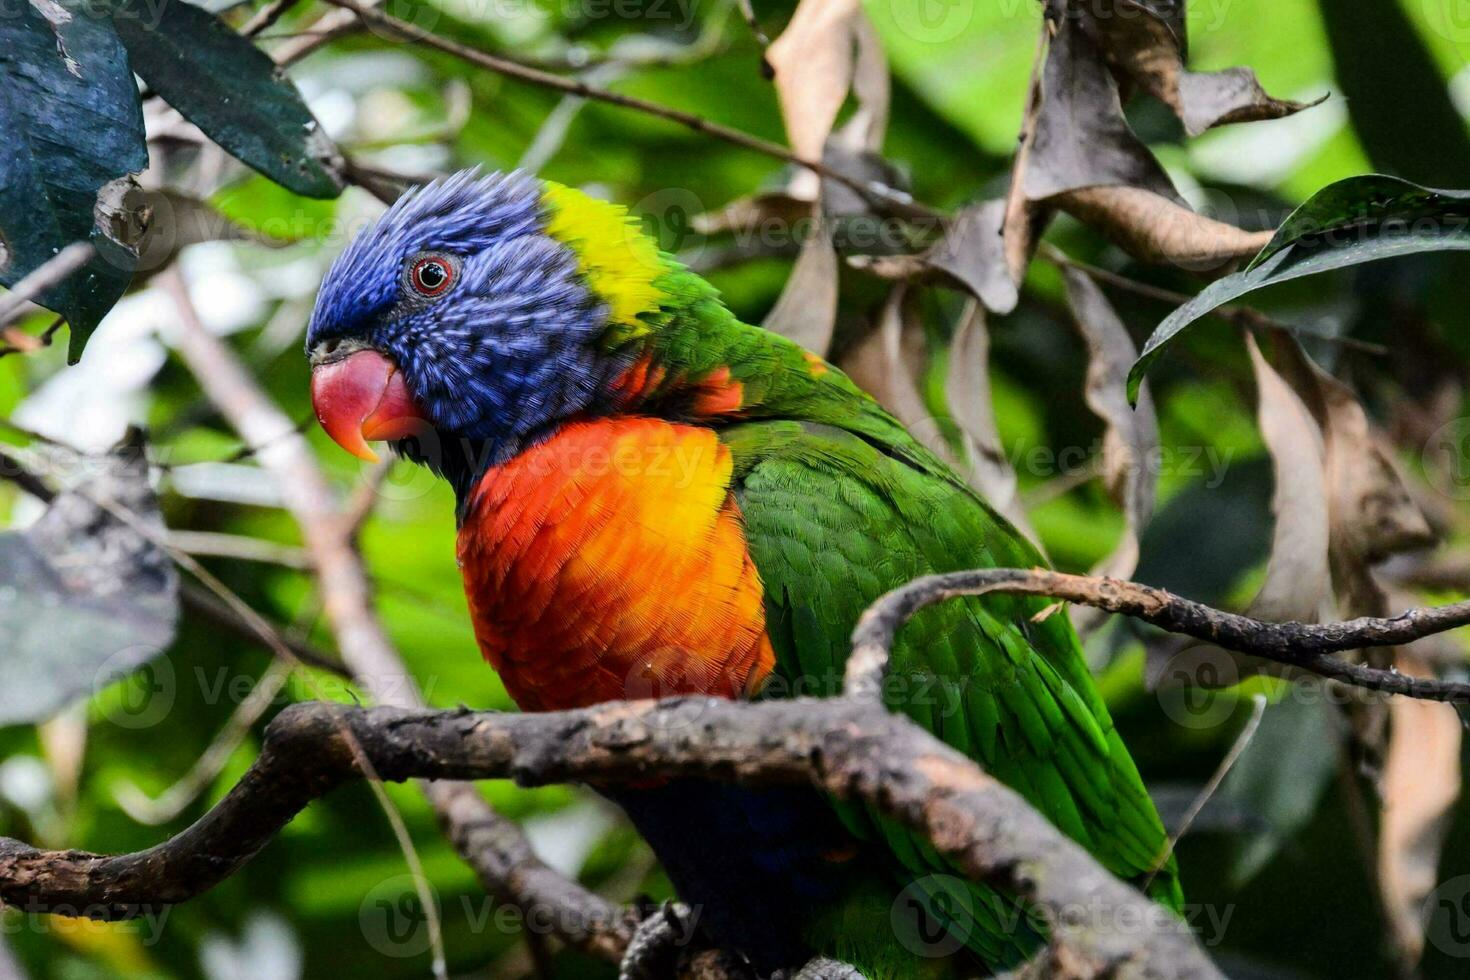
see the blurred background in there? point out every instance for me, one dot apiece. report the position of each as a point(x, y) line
point(1283, 862)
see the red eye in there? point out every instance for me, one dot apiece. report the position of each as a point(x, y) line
point(431, 276)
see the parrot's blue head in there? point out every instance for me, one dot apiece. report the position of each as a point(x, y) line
point(477, 309)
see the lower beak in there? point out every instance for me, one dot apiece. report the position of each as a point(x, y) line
point(361, 397)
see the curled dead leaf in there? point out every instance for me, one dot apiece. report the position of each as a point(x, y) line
point(1154, 228)
point(971, 255)
point(806, 310)
point(828, 48)
point(1131, 437)
point(1145, 42)
point(1420, 786)
point(967, 392)
point(1079, 154)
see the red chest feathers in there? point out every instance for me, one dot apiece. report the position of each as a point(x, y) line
point(609, 562)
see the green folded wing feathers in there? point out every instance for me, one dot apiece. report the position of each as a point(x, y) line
point(834, 519)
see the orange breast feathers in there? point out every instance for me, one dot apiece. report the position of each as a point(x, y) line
point(609, 562)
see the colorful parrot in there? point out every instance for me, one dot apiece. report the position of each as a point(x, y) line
point(655, 499)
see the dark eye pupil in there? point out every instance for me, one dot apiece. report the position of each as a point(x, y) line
point(432, 275)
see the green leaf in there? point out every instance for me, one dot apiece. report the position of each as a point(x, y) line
point(85, 598)
point(1361, 219)
point(1281, 777)
point(72, 123)
point(231, 90)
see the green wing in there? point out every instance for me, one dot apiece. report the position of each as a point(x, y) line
point(833, 520)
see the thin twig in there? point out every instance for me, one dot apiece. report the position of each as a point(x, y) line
point(176, 798)
point(31, 344)
point(48, 274)
point(747, 14)
point(212, 544)
point(206, 605)
point(897, 200)
point(266, 17)
point(1237, 748)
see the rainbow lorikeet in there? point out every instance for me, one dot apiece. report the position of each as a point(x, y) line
point(657, 499)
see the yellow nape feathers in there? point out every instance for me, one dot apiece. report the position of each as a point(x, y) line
point(619, 261)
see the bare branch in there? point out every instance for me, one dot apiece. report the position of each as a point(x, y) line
point(1307, 646)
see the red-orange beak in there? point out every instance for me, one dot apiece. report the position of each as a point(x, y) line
point(361, 397)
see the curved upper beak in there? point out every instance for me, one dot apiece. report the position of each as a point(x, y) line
point(363, 397)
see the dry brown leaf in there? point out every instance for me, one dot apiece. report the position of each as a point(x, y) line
point(870, 86)
point(970, 256)
point(886, 362)
point(1080, 155)
point(1371, 516)
point(1080, 136)
point(967, 393)
point(1298, 580)
point(827, 48)
point(1371, 513)
point(1156, 229)
point(806, 310)
point(1145, 41)
point(1131, 437)
point(1421, 783)
point(746, 215)
point(1298, 583)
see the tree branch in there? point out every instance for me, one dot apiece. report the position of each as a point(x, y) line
point(1307, 646)
point(851, 748)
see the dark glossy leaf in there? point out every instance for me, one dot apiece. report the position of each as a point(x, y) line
point(85, 598)
point(230, 89)
point(72, 126)
point(1361, 219)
